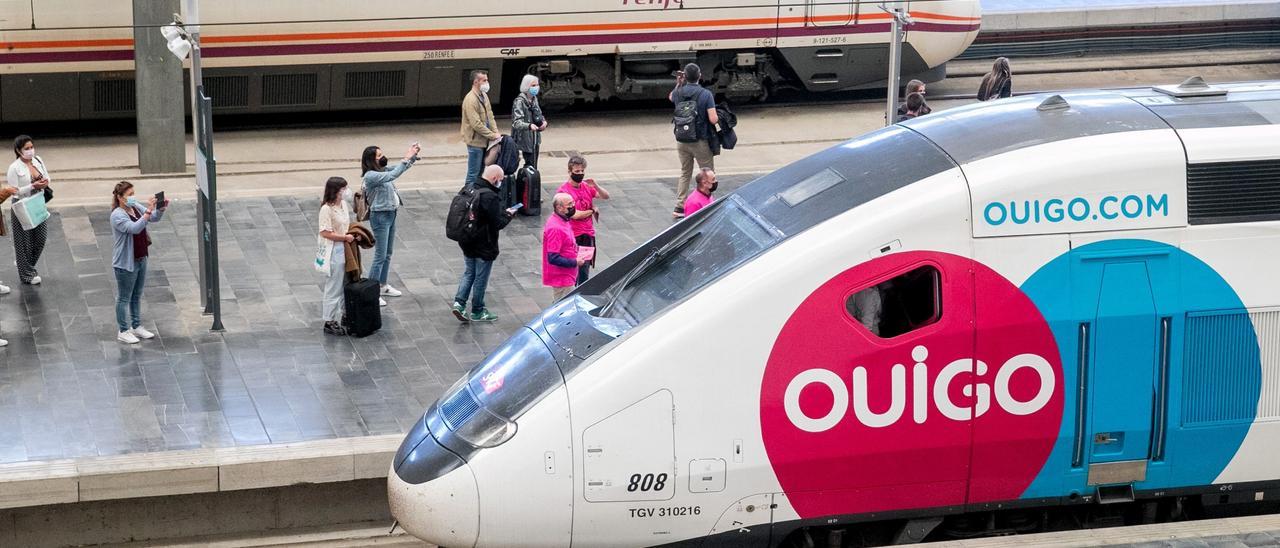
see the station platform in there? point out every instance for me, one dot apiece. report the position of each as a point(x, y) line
point(272, 401)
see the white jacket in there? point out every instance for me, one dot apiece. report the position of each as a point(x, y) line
point(20, 176)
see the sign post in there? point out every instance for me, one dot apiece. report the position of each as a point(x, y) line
point(207, 180)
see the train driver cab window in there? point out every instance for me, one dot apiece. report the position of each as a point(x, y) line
point(899, 305)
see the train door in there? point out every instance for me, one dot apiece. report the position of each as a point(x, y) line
point(1123, 356)
point(829, 13)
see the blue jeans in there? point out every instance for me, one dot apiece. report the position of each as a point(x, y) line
point(384, 234)
point(129, 294)
point(475, 162)
point(474, 281)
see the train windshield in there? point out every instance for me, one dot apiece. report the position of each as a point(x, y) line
point(720, 241)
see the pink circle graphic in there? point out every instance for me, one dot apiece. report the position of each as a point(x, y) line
point(962, 408)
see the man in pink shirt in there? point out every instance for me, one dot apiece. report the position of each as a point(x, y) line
point(560, 259)
point(584, 191)
point(701, 197)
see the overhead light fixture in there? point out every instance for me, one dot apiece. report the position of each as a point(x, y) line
point(180, 48)
point(171, 31)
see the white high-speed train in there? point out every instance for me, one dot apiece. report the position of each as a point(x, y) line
point(72, 59)
point(974, 322)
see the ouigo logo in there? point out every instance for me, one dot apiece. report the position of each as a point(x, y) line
point(921, 392)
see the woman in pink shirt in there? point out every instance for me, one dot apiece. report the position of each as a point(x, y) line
point(560, 258)
point(584, 191)
point(702, 197)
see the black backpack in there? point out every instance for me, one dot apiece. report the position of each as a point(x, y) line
point(686, 118)
point(461, 225)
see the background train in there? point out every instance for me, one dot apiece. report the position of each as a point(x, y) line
point(1039, 312)
point(73, 59)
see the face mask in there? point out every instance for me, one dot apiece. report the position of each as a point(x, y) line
point(28, 154)
point(577, 177)
point(569, 213)
point(496, 184)
point(534, 91)
point(715, 185)
point(348, 194)
point(484, 88)
point(382, 162)
point(131, 201)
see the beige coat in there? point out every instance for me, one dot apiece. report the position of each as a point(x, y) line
point(6, 192)
point(478, 125)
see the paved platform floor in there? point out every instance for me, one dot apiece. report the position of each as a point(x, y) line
point(68, 389)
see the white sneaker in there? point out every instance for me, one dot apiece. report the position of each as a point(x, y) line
point(3, 343)
point(142, 333)
point(4, 289)
point(127, 337)
point(36, 280)
point(382, 301)
point(389, 291)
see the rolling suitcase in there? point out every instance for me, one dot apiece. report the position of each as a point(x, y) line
point(362, 316)
point(530, 188)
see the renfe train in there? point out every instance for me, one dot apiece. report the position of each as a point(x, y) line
point(73, 59)
point(1003, 317)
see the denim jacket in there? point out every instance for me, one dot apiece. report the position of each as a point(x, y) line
point(380, 187)
point(123, 229)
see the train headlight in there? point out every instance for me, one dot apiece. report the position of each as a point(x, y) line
point(481, 409)
point(470, 421)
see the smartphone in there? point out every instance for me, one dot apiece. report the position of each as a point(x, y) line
point(160, 199)
point(516, 207)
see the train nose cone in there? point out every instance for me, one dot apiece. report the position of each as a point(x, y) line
point(444, 511)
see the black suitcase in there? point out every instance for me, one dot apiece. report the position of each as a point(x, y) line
point(363, 316)
point(530, 189)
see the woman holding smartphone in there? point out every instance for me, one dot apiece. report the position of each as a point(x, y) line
point(129, 220)
point(384, 202)
point(30, 176)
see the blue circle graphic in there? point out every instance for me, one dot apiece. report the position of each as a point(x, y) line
point(1142, 298)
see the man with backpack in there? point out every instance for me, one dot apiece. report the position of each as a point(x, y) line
point(476, 231)
point(695, 117)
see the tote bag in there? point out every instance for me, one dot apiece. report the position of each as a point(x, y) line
point(31, 211)
point(324, 250)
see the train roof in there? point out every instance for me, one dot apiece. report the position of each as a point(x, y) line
point(820, 187)
point(981, 130)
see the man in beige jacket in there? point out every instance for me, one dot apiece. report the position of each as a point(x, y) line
point(478, 126)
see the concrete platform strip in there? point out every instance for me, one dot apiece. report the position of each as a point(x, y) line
point(372, 534)
point(169, 473)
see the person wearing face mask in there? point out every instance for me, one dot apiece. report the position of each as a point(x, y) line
point(527, 122)
point(30, 176)
point(384, 202)
point(335, 219)
point(482, 251)
point(584, 192)
point(479, 128)
point(560, 259)
point(701, 197)
point(129, 220)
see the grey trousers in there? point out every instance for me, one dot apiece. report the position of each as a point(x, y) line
point(688, 152)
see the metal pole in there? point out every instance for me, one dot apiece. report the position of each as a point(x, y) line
point(895, 65)
point(191, 21)
point(207, 198)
